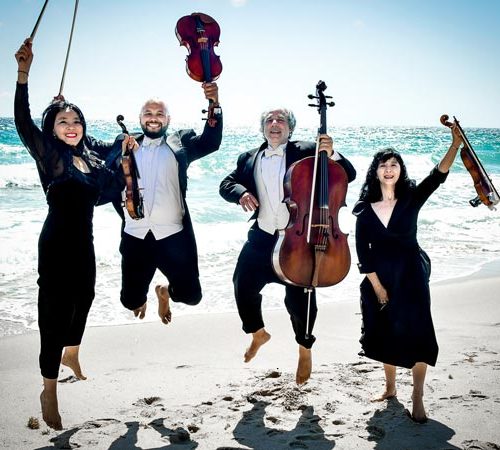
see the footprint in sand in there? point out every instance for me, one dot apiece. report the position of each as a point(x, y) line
point(477, 394)
point(147, 401)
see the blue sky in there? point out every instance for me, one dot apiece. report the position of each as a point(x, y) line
point(385, 62)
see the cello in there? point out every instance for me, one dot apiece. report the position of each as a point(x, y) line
point(312, 251)
point(133, 201)
point(199, 33)
point(486, 192)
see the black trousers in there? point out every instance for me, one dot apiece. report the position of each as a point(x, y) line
point(253, 271)
point(176, 258)
point(67, 274)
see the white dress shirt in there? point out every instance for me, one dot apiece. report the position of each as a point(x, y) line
point(269, 173)
point(159, 186)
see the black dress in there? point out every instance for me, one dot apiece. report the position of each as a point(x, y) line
point(66, 260)
point(402, 333)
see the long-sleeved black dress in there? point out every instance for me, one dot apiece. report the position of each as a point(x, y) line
point(402, 333)
point(66, 260)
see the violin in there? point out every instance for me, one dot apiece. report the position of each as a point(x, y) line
point(486, 192)
point(199, 33)
point(133, 202)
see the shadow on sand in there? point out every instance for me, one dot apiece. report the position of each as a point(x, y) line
point(392, 428)
point(175, 439)
point(251, 431)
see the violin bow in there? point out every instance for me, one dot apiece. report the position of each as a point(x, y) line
point(69, 48)
point(35, 28)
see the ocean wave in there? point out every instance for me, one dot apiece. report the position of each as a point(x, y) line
point(458, 238)
point(19, 176)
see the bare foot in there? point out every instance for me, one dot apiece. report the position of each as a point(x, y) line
point(259, 338)
point(71, 360)
point(418, 411)
point(163, 303)
point(389, 393)
point(304, 367)
point(141, 311)
point(50, 410)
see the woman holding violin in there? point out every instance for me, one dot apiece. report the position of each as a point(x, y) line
point(257, 186)
point(397, 327)
point(73, 178)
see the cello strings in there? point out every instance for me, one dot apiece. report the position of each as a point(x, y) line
point(322, 189)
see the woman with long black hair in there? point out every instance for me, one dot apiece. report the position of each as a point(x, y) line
point(397, 326)
point(72, 177)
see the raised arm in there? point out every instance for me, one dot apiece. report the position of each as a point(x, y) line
point(209, 141)
point(30, 134)
point(449, 157)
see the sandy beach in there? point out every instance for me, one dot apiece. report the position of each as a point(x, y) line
point(185, 385)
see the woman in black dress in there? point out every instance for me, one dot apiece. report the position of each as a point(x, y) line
point(397, 326)
point(72, 178)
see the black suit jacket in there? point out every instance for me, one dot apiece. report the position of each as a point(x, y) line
point(187, 147)
point(242, 178)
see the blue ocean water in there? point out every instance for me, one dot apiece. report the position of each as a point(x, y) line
point(458, 238)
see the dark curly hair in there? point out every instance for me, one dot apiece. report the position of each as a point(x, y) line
point(49, 118)
point(370, 191)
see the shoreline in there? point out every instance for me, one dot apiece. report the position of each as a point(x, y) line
point(487, 269)
point(151, 385)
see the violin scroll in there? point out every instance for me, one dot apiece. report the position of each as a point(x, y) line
point(119, 121)
point(444, 120)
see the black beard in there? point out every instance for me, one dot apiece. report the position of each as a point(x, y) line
point(152, 134)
